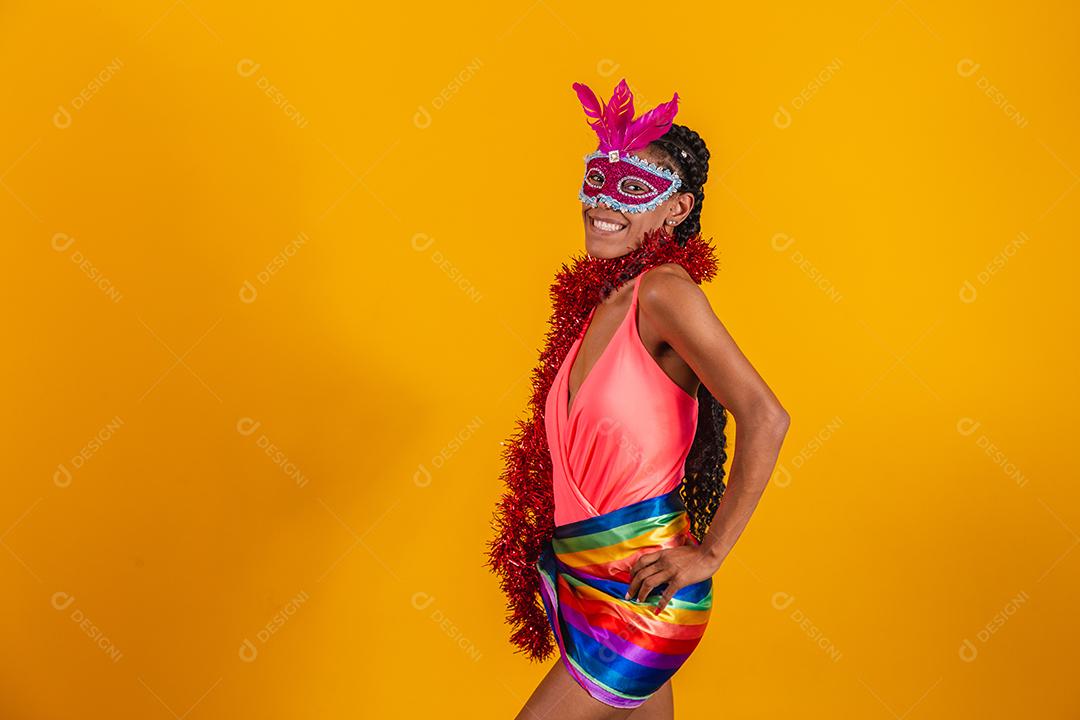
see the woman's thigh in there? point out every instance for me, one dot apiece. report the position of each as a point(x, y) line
point(559, 697)
point(660, 706)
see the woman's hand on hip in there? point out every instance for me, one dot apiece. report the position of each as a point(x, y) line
point(678, 567)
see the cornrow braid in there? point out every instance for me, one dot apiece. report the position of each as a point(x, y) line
point(703, 485)
point(687, 151)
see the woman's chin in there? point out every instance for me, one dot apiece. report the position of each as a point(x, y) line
point(608, 247)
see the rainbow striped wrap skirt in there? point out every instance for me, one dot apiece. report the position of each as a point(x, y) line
point(620, 650)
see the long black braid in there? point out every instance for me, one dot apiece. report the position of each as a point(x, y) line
point(703, 486)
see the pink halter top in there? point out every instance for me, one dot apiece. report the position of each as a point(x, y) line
point(629, 432)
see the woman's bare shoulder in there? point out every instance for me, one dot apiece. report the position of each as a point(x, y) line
point(668, 285)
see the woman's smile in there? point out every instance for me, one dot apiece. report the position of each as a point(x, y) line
point(606, 225)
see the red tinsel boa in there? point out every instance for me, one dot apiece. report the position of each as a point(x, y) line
point(524, 517)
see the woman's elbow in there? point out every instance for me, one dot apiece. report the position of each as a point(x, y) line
point(767, 414)
point(780, 420)
point(773, 418)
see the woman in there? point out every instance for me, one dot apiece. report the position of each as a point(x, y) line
point(613, 516)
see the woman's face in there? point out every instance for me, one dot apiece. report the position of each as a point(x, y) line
point(610, 233)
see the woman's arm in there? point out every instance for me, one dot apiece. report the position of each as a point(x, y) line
point(681, 315)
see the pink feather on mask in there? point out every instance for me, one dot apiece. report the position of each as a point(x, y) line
point(619, 113)
point(651, 125)
point(593, 110)
point(614, 125)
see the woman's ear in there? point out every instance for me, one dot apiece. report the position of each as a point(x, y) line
point(684, 203)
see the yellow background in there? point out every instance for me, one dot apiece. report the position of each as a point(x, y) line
point(274, 283)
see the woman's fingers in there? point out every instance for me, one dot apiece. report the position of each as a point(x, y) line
point(669, 592)
point(674, 566)
point(637, 571)
point(649, 580)
point(645, 559)
point(646, 579)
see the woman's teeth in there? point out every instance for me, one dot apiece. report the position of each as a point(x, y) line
point(606, 226)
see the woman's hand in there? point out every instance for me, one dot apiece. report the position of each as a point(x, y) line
point(678, 567)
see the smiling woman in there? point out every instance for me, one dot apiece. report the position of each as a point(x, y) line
point(613, 514)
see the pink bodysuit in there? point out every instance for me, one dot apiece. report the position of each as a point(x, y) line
point(629, 432)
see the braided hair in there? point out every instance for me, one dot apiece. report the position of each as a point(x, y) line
point(703, 486)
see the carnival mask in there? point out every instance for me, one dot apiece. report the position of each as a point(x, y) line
point(612, 175)
point(626, 183)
